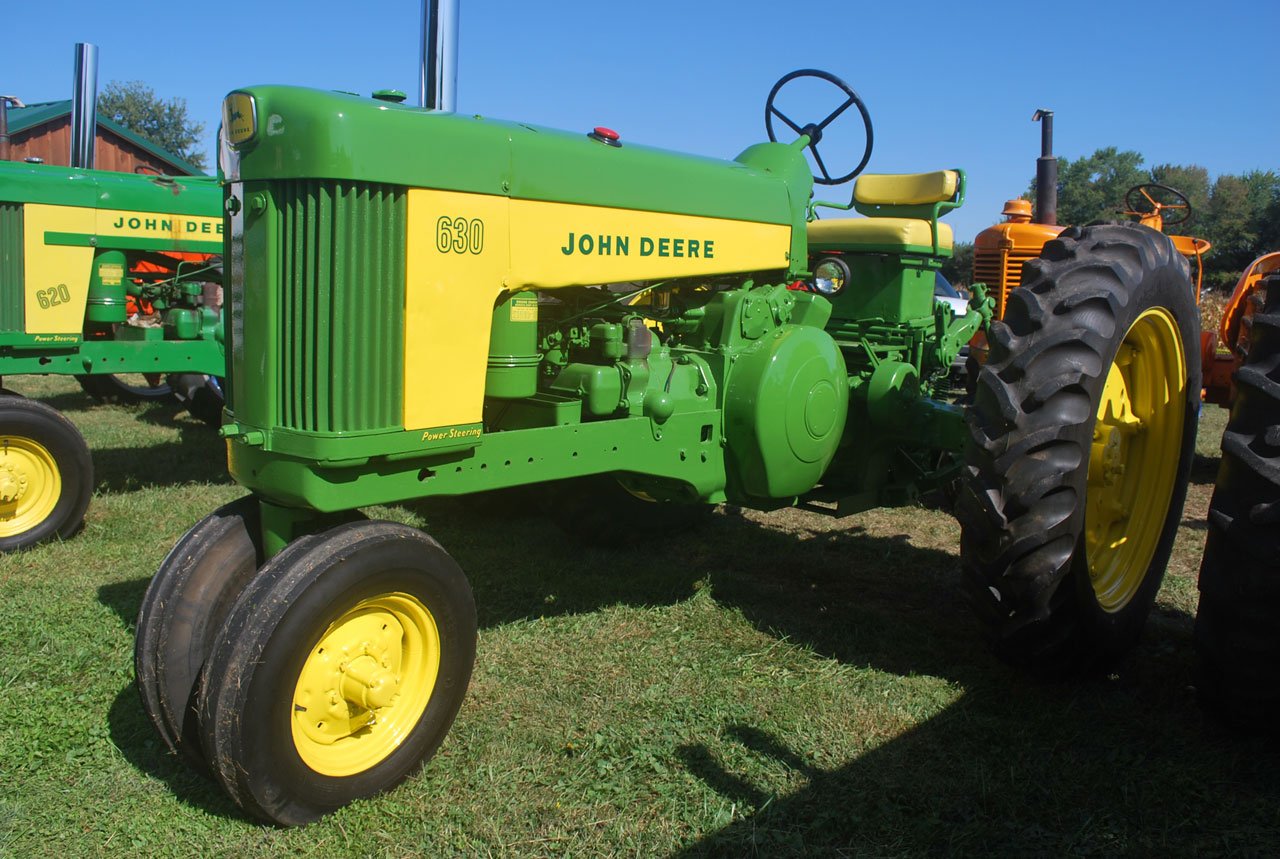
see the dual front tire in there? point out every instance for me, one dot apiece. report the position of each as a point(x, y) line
point(350, 650)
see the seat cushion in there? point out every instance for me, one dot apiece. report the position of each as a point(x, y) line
point(887, 235)
point(905, 189)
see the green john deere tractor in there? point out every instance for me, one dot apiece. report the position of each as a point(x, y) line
point(112, 278)
point(429, 304)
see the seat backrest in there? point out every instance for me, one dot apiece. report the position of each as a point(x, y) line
point(927, 196)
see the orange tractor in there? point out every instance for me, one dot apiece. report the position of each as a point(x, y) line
point(1000, 251)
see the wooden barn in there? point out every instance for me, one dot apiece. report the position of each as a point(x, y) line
point(43, 131)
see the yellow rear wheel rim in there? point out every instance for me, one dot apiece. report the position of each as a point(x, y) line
point(30, 485)
point(365, 684)
point(1134, 458)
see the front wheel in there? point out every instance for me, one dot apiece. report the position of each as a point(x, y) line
point(338, 671)
point(46, 474)
point(181, 613)
point(1081, 438)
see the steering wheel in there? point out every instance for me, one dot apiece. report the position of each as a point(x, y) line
point(814, 130)
point(1181, 203)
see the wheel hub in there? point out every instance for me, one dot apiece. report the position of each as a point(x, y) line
point(368, 682)
point(364, 684)
point(30, 485)
point(12, 484)
point(1133, 459)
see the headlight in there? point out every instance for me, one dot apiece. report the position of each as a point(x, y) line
point(239, 118)
point(830, 276)
point(228, 159)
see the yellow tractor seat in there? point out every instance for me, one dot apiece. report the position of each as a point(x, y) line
point(891, 235)
point(906, 189)
point(902, 215)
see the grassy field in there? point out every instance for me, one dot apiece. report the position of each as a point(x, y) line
point(767, 685)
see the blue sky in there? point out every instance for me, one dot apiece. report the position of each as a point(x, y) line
point(947, 84)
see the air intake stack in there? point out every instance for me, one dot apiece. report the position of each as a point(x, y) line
point(1046, 171)
point(438, 88)
point(84, 106)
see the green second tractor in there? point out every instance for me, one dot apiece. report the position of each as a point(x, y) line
point(113, 278)
point(425, 304)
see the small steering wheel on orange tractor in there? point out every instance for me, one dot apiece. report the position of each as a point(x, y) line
point(1139, 201)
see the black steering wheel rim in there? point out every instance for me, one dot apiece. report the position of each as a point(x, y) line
point(814, 130)
point(1182, 204)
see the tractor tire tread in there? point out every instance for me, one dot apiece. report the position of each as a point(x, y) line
point(1236, 634)
point(1021, 506)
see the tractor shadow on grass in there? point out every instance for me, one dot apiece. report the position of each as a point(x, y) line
point(1122, 763)
point(133, 734)
point(1094, 766)
point(198, 456)
point(1086, 769)
point(825, 583)
point(136, 739)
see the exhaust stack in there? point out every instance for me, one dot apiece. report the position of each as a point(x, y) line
point(84, 106)
point(1046, 171)
point(438, 86)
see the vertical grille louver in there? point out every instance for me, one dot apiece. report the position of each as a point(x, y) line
point(341, 305)
point(1001, 271)
point(12, 315)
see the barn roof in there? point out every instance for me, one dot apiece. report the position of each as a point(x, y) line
point(40, 113)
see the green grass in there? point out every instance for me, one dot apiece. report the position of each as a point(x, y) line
point(767, 685)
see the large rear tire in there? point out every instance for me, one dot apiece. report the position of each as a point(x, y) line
point(1081, 437)
point(338, 671)
point(181, 613)
point(46, 474)
point(1237, 634)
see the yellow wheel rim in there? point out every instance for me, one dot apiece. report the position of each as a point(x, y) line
point(1134, 458)
point(30, 485)
point(365, 684)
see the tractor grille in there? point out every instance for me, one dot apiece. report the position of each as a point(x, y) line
point(1001, 271)
point(340, 332)
point(12, 316)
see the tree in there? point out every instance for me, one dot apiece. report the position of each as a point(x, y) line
point(1242, 225)
point(959, 269)
point(1239, 215)
point(136, 106)
point(1093, 188)
point(1193, 183)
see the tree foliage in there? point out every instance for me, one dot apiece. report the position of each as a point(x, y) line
point(1239, 215)
point(1093, 188)
point(958, 270)
point(165, 123)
